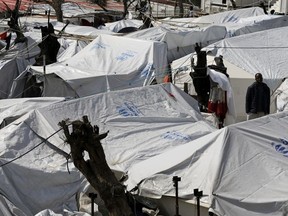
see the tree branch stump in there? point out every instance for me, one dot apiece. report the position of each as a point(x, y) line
point(84, 137)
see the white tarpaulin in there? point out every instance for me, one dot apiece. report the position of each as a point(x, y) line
point(181, 42)
point(11, 109)
point(69, 48)
point(142, 123)
point(33, 24)
point(238, 78)
point(255, 24)
point(242, 169)
point(281, 97)
point(9, 70)
point(108, 63)
point(69, 9)
point(260, 52)
point(121, 24)
point(231, 16)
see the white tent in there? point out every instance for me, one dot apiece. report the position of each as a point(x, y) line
point(9, 70)
point(14, 61)
point(242, 169)
point(259, 52)
point(12, 109)
point(281, 97)
point(108, 63)
point(244, 56)
point(69, 48)
point(118, 25)
point(255, 24)
point(33, 23)
point(231, 16)
point(181, 42)
point(143, 122)
point(238, 78)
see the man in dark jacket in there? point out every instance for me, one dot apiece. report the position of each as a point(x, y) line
point(257, 98)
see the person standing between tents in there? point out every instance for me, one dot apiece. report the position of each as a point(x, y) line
point(257, 98)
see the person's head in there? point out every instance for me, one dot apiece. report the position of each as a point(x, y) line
point(258, 77)
point(219, 61)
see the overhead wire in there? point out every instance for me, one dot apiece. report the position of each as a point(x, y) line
point(14, 159)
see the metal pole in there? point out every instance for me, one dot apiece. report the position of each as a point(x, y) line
point(93, 197)
point(48, 16)
point(198, 194)
point(44, 71)
point(176, 179)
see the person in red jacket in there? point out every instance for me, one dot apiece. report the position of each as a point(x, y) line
point(257, 98)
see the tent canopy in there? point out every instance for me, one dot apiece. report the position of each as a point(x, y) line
point(242, 169)
point(259, 52)
point(143, 122)
point(108, 63)
point(181, 42)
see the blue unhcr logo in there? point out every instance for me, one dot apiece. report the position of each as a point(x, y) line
point(124, 56)
point(146, 70)
point(99, 46)
point(128, 109)
point(281, 147)
point(175, 135)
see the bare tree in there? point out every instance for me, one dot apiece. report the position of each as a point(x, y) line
point(57, 6)
point(100, 3)
point(13, 22)
point(84, 137)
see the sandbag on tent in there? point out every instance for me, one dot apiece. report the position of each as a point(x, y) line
point(108, 63)
point(241, 169)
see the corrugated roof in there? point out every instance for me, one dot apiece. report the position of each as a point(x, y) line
point(111, 5)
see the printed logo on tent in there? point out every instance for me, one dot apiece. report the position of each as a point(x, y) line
point(128, 109)
point(175, 135)
point(126, 55)
point(99, 45)
point(281, 147)
point(146, 70)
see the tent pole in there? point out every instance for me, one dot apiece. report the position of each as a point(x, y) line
point(44, 71)
point(93, 197)
point(176, 179)
point(198, 194)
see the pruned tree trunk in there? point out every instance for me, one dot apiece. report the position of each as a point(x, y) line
point(84, 137)
point(57, 6)
point(181, 8)
point(13, 22)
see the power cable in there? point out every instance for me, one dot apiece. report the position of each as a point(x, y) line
point(30, 149)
